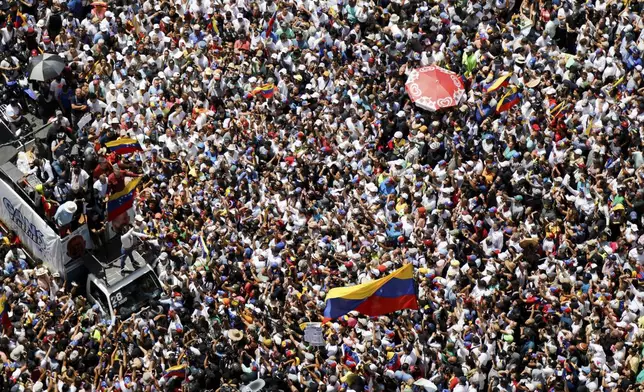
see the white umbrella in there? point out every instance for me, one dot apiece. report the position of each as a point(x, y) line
point(46, 67)
point(425, 383)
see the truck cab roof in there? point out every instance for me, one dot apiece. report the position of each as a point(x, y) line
point(122, 293)
point(110, 273)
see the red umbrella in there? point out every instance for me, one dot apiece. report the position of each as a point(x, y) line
point(433, 88)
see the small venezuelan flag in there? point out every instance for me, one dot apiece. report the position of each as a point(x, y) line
point(122, 201)
point(123, 146)
point(501, 81)
point(4, 315)
point(271, 23)
point(393, 292)
point(175, 371)
point(266, 90)
point(205, 253)
point(510, 99)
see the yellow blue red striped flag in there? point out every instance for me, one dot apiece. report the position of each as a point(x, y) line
point(501, 81)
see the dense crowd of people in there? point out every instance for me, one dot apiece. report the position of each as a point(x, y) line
point(281, 157)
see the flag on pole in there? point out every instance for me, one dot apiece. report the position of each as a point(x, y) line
point(122, 201)
point(393, 292)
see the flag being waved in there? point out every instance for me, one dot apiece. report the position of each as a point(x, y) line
point(122, 201)
point(205, 253)
point(271, 22)
point(393, 292)
point(124, 146)
point(511, 98)
point(266, 90)
point(175, 371)
point(4, 315)
point(501, 81)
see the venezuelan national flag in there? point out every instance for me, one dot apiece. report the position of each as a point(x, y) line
point(124, 146)
point(266, 90)
point(122, 201)
point(271, 22)
point(394, 361)
point(558, 110)
point(501, 81)
point(508, 100)
point(589, 127)
point(175, 371)
point(205, 253)
point(4, 314)
point(393, 292)
point(19, 20)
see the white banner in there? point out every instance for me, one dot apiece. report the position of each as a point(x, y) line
point(75, 244)
point(33, 231)
point(37, 236)
point(313, 334)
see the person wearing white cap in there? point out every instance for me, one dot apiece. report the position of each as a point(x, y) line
point(156, 30)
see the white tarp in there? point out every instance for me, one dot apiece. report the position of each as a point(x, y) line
point(37, 236)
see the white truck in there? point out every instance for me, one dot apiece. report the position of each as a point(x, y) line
point(74, 256)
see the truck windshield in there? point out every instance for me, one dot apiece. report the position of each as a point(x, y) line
point(136, 295)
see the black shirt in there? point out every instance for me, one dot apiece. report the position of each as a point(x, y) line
point(79, 101)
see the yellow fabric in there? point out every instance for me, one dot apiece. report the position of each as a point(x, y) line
point(129, 187)
point(365, 290)
point(496, 84)
point(120, 142)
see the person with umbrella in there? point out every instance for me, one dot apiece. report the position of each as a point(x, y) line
point(46, 67)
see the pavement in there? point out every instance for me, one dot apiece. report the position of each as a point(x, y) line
point(10, 146)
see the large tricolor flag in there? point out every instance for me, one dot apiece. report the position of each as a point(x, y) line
point(393, 292)
point(124, 146)
point(501, 81)
point(511, 98)
point(175, 371)
point(122, 201)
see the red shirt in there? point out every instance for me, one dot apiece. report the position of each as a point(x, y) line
point(242, 45)
point(99, 170)
point(117, 184)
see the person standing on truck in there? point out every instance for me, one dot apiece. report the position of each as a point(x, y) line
point(116, 180)
point(103, 167)
point(80, 180)
point(42, 169)
point(129, 240)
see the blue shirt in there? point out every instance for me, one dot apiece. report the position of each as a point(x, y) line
point(485, 112)
point(386, 188)
point(633, 62)
point(195, 37)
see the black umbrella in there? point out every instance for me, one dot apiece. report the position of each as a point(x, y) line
point(46, 67)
